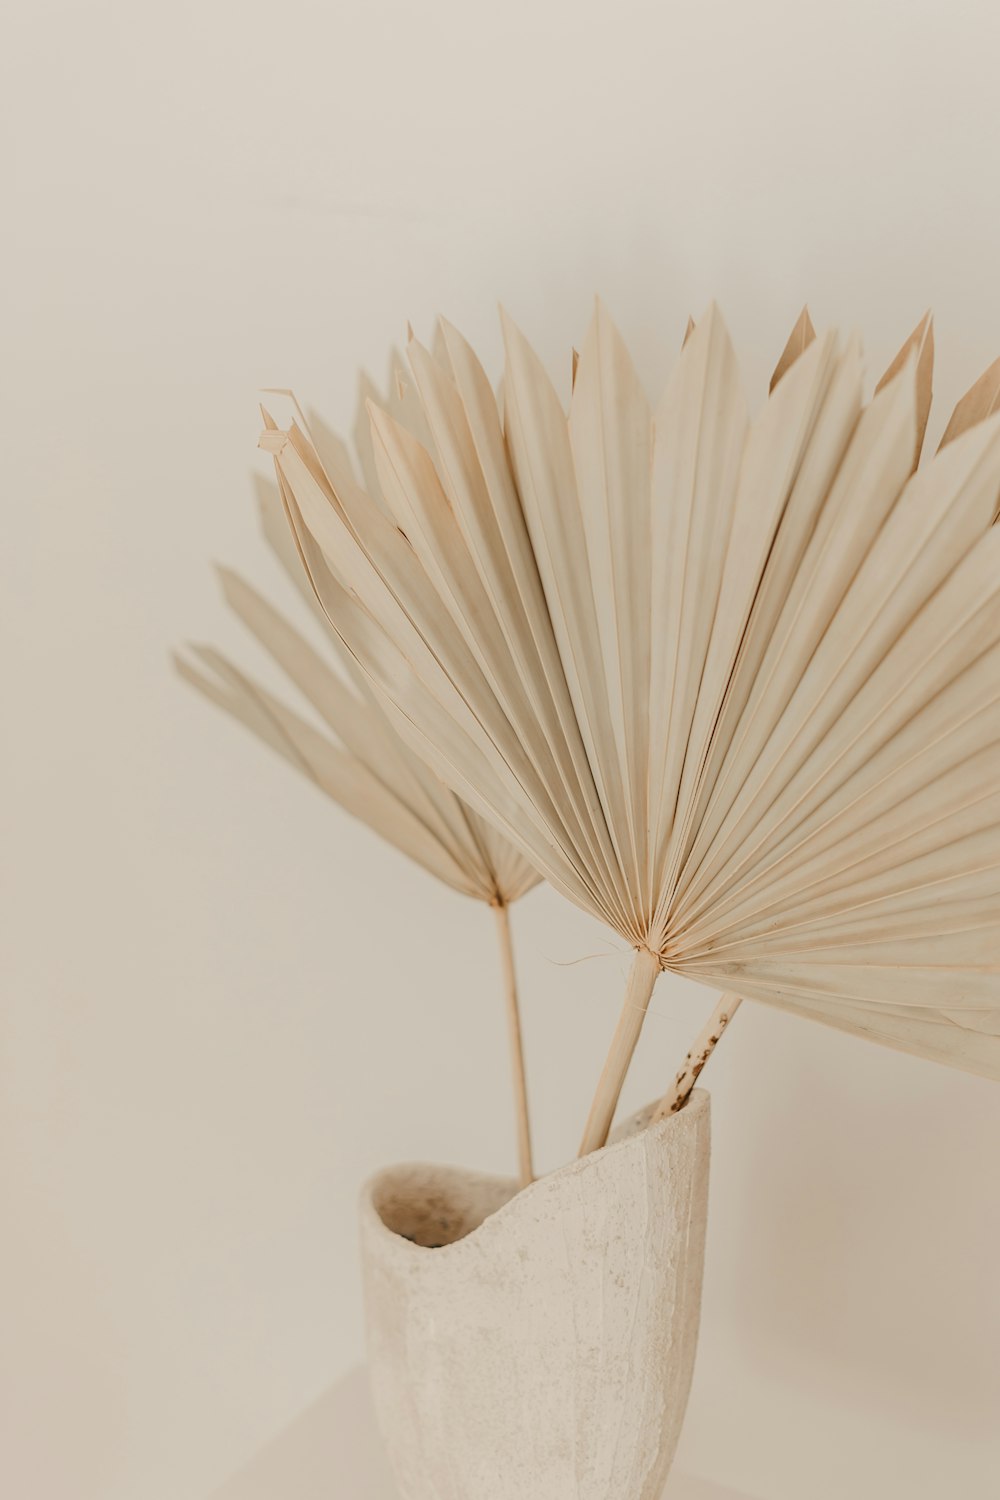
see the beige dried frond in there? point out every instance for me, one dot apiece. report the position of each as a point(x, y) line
point(801, 336)
point(361, 763)
point(732, 684)
point(978, 403)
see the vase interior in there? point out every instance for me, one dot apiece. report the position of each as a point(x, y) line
point(435, 1207)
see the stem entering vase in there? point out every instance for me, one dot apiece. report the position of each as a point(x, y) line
point(526, 1171)
point(642, 977)
point(705, 1043)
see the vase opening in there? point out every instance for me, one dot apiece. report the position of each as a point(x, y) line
point(436, 1206)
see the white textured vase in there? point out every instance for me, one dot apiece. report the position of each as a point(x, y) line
point(539, 1345)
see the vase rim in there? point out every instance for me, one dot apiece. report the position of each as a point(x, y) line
point(628, 1135)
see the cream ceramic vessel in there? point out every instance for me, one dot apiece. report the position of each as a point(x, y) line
point(539, 1345)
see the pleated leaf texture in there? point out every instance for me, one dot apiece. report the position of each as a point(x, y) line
point(731, 683)
point(363, 766)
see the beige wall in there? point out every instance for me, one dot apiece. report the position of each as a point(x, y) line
point(224, 1003)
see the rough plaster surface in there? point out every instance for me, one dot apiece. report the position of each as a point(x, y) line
point(544, 1349)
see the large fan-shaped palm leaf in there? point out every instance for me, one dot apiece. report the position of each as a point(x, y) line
point(731, 683)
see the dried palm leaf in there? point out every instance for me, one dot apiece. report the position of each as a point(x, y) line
point(978, 403)
point(368, 770)
point(731, 684)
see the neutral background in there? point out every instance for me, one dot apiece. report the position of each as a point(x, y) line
point(224, 1003)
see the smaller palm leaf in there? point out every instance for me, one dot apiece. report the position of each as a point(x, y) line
point(361, 763)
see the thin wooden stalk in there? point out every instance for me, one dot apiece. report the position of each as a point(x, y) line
point(525, 1168)
point(642, 977)
point(707, 1040)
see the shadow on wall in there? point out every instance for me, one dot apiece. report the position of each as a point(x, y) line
point(59, 1341)
point(869, 1241)
point(333, 1449)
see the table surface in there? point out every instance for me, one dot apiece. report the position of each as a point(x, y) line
point(334, 1448)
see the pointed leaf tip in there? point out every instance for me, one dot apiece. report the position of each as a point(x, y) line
point(377, 415)
point(801, 336)
point(707, 332)
point(688, 330)
point(233, 584)
point(506, 321)
point(711, 324)
point(513, 339)
point(601, 312)
point(980, 401)
point(920, 348)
